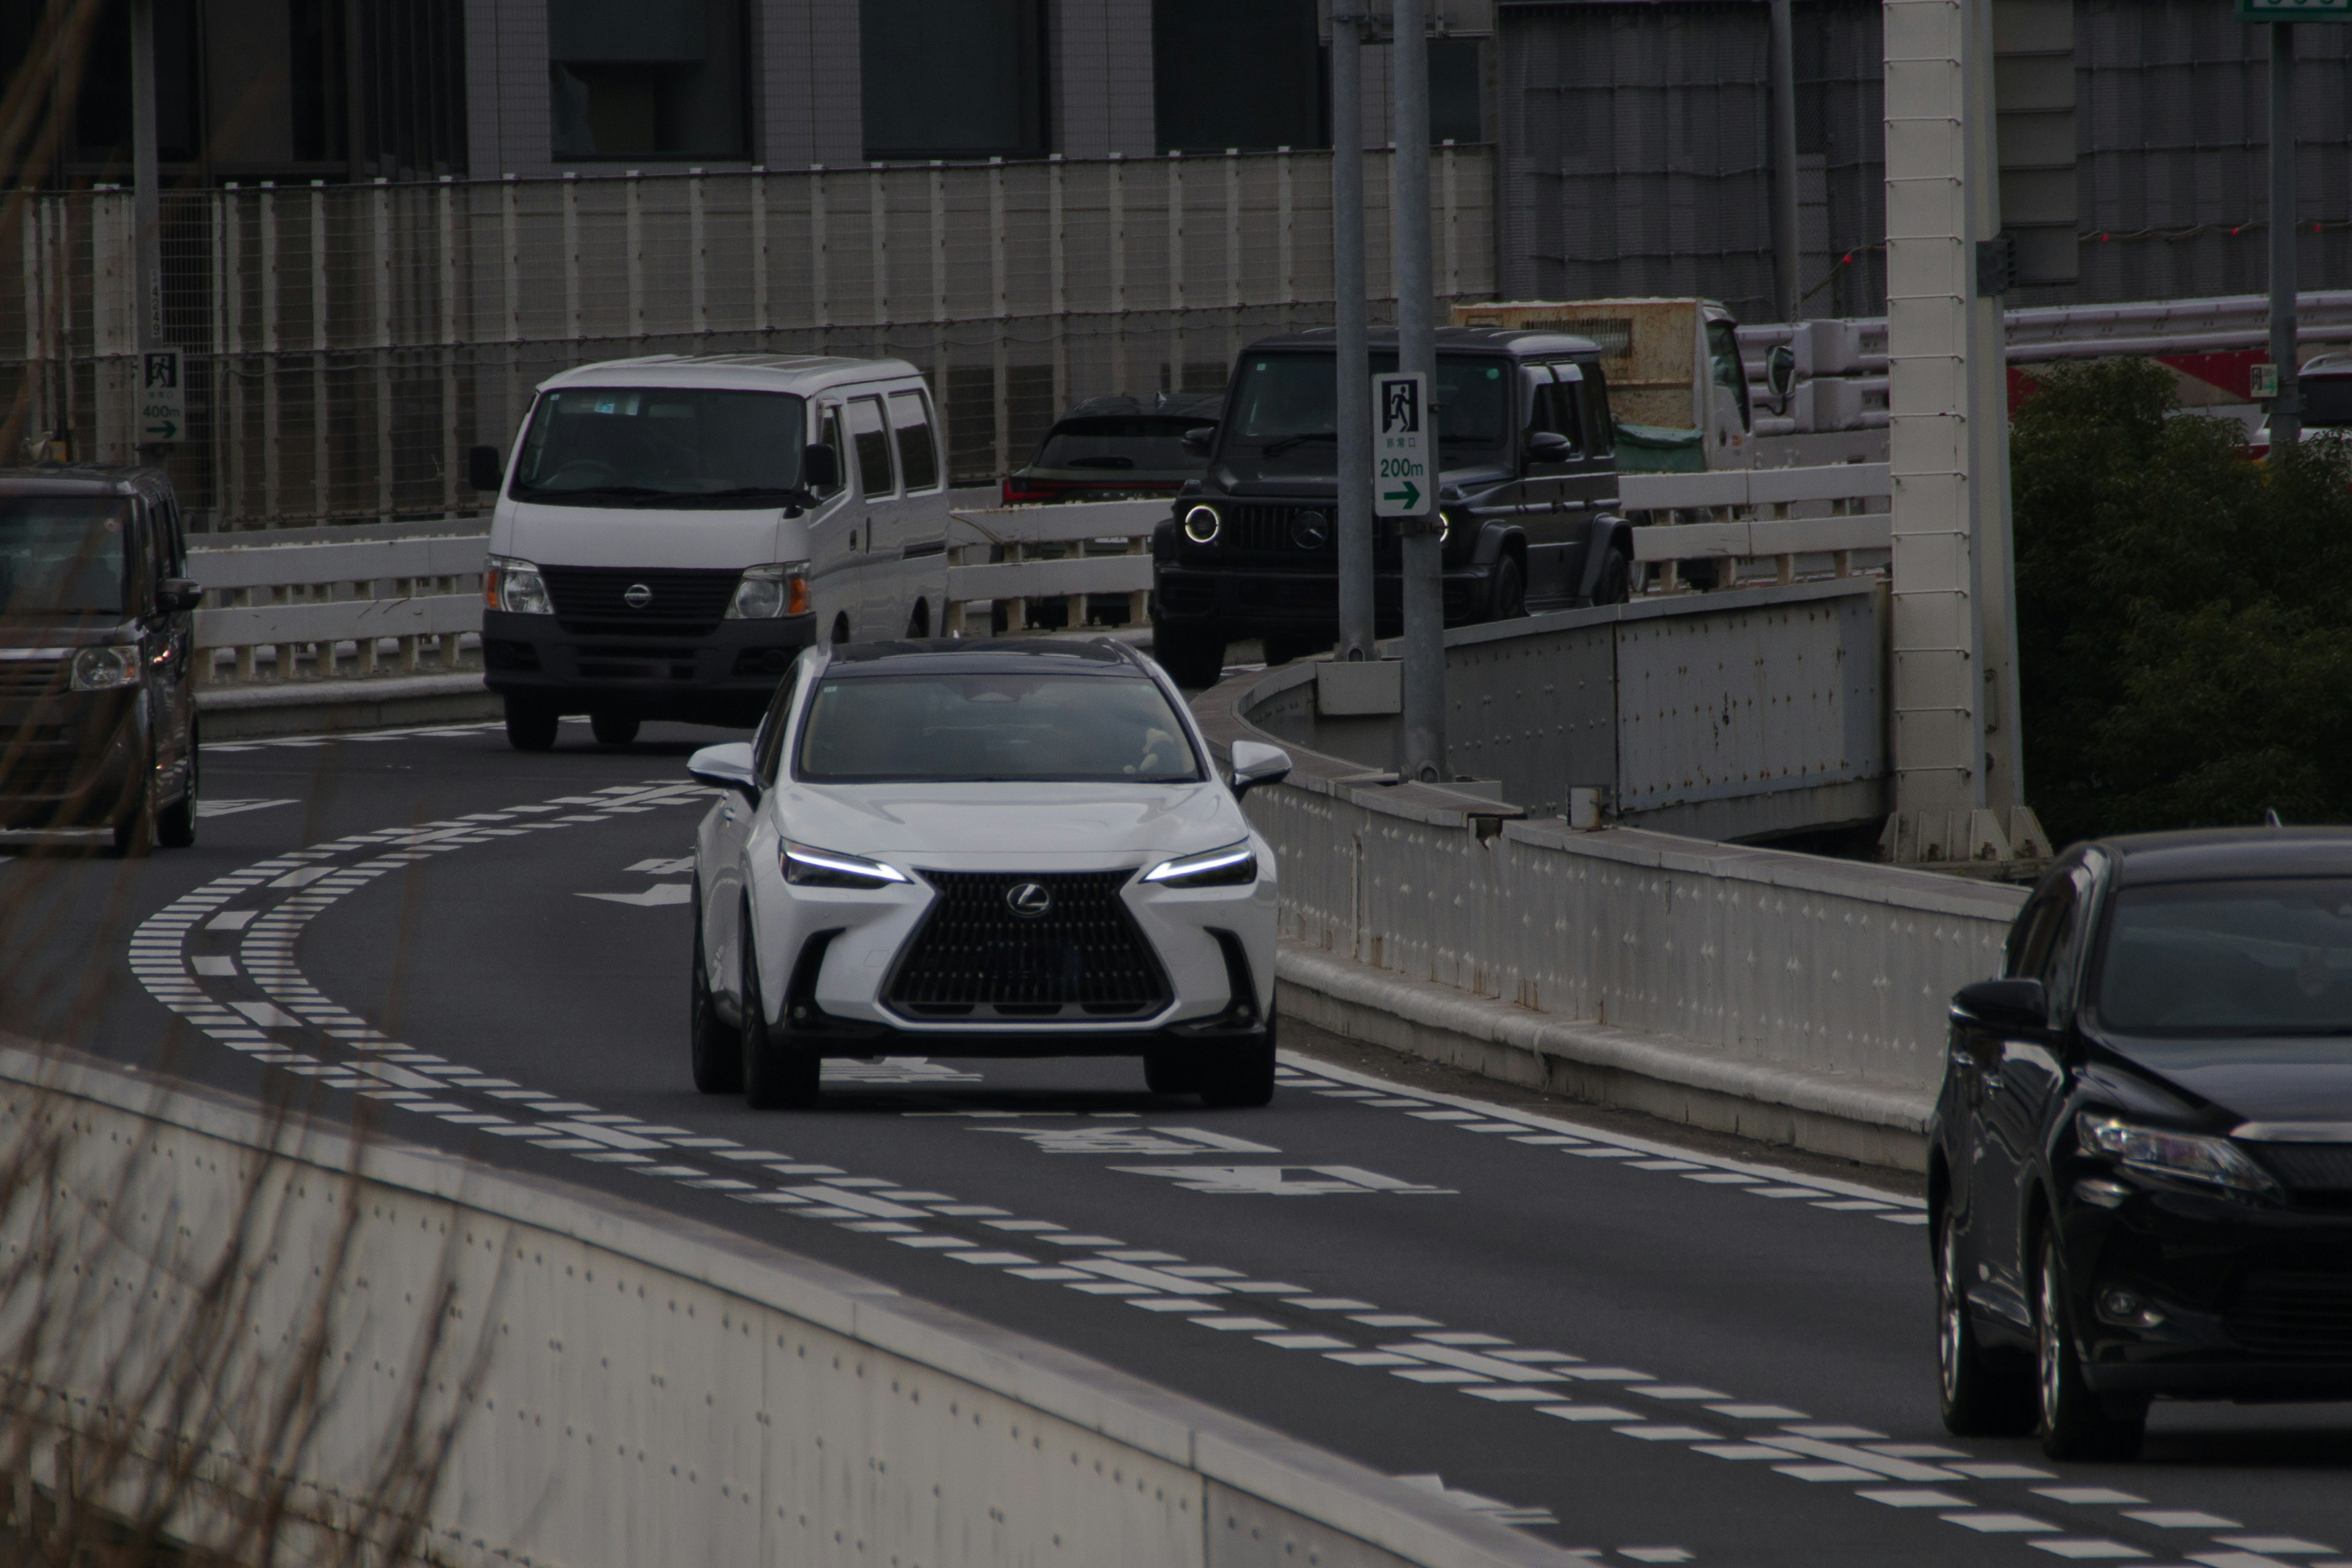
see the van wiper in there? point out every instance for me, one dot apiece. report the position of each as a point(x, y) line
point(1274, 448)
point(536, 492)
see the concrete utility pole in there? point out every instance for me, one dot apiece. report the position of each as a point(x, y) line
point(1425, 589)
point(2286, 408)
point(1353, 408)
point(1788, 291)
point(146, 199)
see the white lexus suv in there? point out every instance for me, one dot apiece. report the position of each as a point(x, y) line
point(982, 848)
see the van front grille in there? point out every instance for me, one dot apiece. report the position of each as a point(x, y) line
point(594, 601)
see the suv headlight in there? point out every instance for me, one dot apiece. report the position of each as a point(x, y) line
point(104, 668)
point(515, 586)
point(1234, 866)
point(2192, 1156)
point(768, 593)
point(1202, 524)
point(808, 868)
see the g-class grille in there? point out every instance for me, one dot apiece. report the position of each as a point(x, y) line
point(1286, 529)
point(1075, 958)
point(594, 601)
point(2294, 1314)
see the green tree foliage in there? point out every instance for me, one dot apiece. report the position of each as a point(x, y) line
point(2184, 614)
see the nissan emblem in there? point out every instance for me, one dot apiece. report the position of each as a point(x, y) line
point(638, 596)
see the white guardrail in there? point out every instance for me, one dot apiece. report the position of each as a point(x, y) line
point(655, 1391)
point(354, 602)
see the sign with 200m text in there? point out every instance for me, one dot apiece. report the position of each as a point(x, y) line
point(2295, 10)
point(1400, 444)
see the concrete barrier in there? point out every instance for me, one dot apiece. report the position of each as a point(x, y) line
point(659, 1391)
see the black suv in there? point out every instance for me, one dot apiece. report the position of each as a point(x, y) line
point(97, 716)
point(1527, 491)
point(1116, 449)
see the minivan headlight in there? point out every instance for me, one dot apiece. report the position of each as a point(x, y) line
point(1234, 866)
point(768, 593)
point(2190, 1155)
point(806, 867)
point(514, 587)
point(104, 668)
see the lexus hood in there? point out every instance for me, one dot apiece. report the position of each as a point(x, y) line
point(1013, 826)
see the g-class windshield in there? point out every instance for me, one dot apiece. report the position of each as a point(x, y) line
point(662, 447)
point(62, 555)
point(1284, 407)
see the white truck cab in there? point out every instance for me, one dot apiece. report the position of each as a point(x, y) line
point(671, 530)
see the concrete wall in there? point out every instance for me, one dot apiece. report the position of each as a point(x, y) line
point(660, 1392)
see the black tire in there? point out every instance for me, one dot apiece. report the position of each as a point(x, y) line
point(1170, 1072)
point(2076, 1423)
point(1506, 590)
point(716, 1050)
point(1983, 1393)
point(1242, 1077)
point(1282, 650)
point(1616, 583)
point(134, 830)
point(1193, 653)
point(775, 1076)
point(840, 630)
point(612, 727)
point(531, 724)
point(175, 824)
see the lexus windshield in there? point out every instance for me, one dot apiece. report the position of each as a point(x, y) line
point(62, 555)
point(2242, 958)
point(990, 726)
point(1284, 407)
point(662, 447)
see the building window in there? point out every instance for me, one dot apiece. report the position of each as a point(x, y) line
point(953, 79)
point(632, 78)
point(1236, 73)
point(1456, 68)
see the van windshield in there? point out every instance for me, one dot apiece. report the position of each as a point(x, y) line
point(662, 447)
point(1285, 407)
point(62, 555)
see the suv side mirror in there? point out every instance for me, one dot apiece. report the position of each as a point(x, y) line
point(726, 766)
point(1197, 439)
point(1255, 763)
point(177, 595)
point(820, 467)
point(486, 467)
point(1551, 447)
point(1781, 373)
point(2004, 1005)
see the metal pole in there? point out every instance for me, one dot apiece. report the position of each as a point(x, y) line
point(1785, 255)
point(146, 202)
point(1353, 409)
point(2286, 409)
point(1423, 584)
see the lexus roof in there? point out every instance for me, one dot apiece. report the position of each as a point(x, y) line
point(983, 656)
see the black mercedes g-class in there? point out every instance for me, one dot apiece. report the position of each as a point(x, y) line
point(97, 710)
point(1527, 492)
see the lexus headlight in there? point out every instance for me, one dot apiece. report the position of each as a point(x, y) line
point(767, 592)
point(1234, 866)
point(514, 587)
point(1202, 524)
point(2192, 1156)
point(104, 668)
point(807, 867)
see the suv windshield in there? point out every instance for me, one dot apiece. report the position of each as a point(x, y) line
point(666, 447)
point(62, 554)
point(2246, 958)
point(993, 725)
point(1285, 406)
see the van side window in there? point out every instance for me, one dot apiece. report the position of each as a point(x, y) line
point(918, 457)
point(829, 435)
point(873, 442)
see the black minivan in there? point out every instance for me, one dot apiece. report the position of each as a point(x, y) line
point(97, 716)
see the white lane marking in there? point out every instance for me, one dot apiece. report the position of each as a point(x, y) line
point(660, 895)
point(1130, 1140)
point(1495, 1509)
point(1275, 1180)
point(2277, 1545)
point(267, 1016)
point(2088, 1496)
point(207, 809)
point(2087, 1549)
point(2182, 1519)
point(659, 867)
point(889, 1070)
point(231, 920)
point(1998, 1523)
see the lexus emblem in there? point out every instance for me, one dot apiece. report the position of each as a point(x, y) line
point(638, 596)
point(1028, 900)
point(1310, 530)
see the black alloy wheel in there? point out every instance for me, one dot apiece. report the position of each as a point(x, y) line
point(175, 824)
point(1239, 1078)
point(1616, 584)
point(1507, 593)
point(612, 727)
point(2076, 1424)
point(531, 724)
point(716, 1050)
point(1280, 649)
point(1193, 654)
point(1983, 1393)
point(776, 1075)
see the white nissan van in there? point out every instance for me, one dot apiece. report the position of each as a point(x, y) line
point(671, 530)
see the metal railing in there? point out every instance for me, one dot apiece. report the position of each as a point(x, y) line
point(377, 602)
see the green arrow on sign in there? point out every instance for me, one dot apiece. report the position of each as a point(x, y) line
point(1410, 495)
point(167, 431)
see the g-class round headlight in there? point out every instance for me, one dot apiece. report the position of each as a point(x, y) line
point(1202, 524)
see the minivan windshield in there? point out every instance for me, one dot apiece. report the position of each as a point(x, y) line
point(1285, 406)
point(662, 447)
point(62, 555)
point(979, 727)
point(2230, 958)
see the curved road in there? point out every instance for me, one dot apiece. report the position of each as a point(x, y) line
point(1636, 1347)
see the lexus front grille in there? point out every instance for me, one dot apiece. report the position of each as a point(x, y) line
point(1043, 947)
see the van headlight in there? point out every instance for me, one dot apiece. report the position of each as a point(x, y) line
point(104, 668)
point(515, 586)
point(767, 592)
point(1234, 866)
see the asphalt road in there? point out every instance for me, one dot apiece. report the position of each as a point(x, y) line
point(1630, 1346)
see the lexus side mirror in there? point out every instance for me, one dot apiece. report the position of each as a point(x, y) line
point(174, 594)
point(1551, 447)
point(2003, 1004)
point(820, 467)
point(1255, 763)
point(485, 467)
point(726, 766)
point(1197, 439)
point(1781, 373)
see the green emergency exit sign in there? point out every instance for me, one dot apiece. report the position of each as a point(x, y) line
point(2295, 10)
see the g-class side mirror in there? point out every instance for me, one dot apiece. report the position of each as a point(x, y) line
point(820, 467)
point(2003, 1004)
point(1198, 439)
point(726, 766)
point(1551, 447)
point(1255, 763)
point(486, 467)
point(175, 594)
